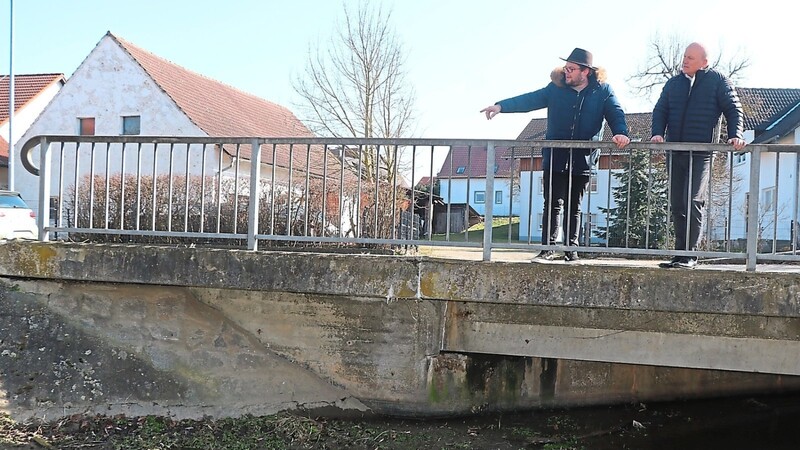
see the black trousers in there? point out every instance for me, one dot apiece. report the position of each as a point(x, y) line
point(562, 189)
point(688, 194)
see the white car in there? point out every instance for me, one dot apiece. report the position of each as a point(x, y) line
point(17, 219)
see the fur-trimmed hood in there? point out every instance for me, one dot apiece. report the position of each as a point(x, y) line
point(558, 76)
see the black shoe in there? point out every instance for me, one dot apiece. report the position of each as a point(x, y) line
point(686, 263)
point(571, 256)
point(671, 264)
point(546, 255)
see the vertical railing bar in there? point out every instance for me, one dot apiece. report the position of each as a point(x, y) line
point(775, 198)
point(307, 189)
point(219, 186)
point(377, 186)
point(76, 204)
point(139, 184)
point(628, 200)
point(729, 213)
point(796, 204)
point(171, 184)
point(155, 185)
point(255, 194)
point(489, 205)
point(186, 189)
point(429, 213)
point(530, 213)
point(449, 193)
point(108, 184)
point(650, 197)
point(611, 166)
point(43, 217)
point(395, 168)
point(359, 217)
point(272, 190)
point(61, 181)
point(289, 191)
point(325, 187)
point(689, 207)
point(236, 188)
point(341, 196)
point(91, 186)
point(710, 202)
point(752, 209)
point(466, 200)
point(203, 156)
point(123, 149)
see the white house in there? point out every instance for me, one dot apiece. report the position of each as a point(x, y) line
point(462, 179)
point(772, 116)
point(32, 92)
point(121, 89)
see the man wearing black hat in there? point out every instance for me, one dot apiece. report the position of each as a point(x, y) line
point(577, 100)
point(688, 110)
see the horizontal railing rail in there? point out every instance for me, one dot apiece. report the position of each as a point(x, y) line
point(239, 191)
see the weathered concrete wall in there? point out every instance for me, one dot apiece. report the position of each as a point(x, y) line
point(189, 332)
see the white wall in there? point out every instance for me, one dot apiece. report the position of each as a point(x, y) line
point(455, 191)
point(530, 221)
point(109, 84)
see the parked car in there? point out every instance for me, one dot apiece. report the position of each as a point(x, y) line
point(17, 219)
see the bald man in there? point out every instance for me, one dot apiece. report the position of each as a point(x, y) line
point(688, 110)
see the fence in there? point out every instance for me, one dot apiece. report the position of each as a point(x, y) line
point(242, 191)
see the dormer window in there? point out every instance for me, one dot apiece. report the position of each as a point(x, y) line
point(460, 170)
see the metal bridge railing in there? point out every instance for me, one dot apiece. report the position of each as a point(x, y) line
point(240, 191)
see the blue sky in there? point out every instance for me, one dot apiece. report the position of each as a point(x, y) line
point(462, 54)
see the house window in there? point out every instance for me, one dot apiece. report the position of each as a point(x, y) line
point(131, 125)
point(498, 197)
point(591, 222)
point(480, 197)
point(768, 199)
point(539, 219)
point(541, 185)
point(86, 126)
point(461, 169)
point(739, 158)
point(593, 184)
point(496, 168)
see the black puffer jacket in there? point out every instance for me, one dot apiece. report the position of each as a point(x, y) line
point(681, 116)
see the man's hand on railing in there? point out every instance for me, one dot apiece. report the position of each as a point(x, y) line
point(621, 140)
point(657, 138)
point(737, 143)
point(491, 111)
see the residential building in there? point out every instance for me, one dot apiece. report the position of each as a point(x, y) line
point(32, 92)
point(122, 89)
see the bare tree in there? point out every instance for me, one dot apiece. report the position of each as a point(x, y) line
point(356, 87)
point(665, 57)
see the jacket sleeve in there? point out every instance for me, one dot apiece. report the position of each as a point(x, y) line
point(614, 115)
point(525, 102)
point(660, 113)
point(731, 108)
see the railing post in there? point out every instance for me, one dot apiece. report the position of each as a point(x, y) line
point(489, 205)
point(752, 208)
point(255, 194)
point(43, 218)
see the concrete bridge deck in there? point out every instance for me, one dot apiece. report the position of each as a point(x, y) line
point(192, 331)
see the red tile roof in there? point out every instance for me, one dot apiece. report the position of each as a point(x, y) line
point(224, 111)
point(471, 163)
point(26, 88)
point(762, 106)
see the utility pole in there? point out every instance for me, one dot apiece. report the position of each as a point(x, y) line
point(11, 98)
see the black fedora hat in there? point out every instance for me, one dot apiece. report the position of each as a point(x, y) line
point(581, 57)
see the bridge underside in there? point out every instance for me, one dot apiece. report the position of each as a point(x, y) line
point(192, 332)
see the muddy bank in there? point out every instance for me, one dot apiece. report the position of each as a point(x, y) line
point(732, 423)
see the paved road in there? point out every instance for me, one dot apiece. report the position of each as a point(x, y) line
point(506, 255)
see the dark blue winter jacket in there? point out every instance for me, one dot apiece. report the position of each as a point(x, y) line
point(572, 115)
point(681, 115)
